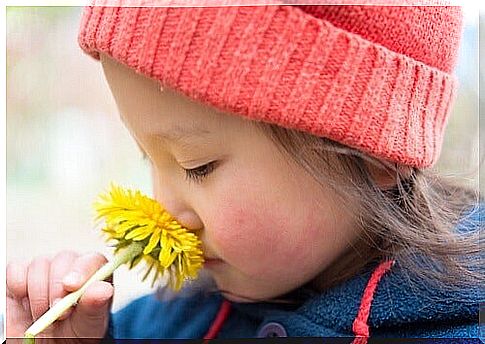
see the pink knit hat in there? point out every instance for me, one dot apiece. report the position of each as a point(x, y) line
point(376, 78)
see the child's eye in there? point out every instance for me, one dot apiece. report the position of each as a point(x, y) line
point(199, 173)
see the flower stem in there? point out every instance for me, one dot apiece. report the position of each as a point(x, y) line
point(134, 249)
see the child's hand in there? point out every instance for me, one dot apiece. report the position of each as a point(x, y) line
point(32, 288)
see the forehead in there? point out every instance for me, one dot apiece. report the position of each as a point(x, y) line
point(141, 99)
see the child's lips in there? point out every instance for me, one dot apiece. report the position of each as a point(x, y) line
point(208, 262)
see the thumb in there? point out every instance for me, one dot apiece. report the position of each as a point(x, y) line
point(90, 317)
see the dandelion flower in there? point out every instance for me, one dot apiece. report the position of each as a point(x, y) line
point(168, 247)
point(141, 230)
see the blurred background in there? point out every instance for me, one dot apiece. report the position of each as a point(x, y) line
point(65, 142)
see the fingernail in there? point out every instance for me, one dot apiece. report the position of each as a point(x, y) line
point(106, 298)
point(72, 278)
point(101, 302)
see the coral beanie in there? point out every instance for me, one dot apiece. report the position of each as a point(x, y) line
point(376, 78)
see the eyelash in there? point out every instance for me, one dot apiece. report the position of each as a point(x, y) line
point(196, 174)
point(199, 173)
point(145, 157)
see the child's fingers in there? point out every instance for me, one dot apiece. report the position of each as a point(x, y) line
point(83, 267)
point(60, 266)
point(38, 286)
point(16, 275)
point(18, 317)
point(97, 295)
point(90, 317)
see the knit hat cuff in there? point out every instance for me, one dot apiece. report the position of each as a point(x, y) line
point(281, 65)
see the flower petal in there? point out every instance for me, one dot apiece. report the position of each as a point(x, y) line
point(153, 241)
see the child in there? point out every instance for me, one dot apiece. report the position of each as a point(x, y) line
point(295, 140)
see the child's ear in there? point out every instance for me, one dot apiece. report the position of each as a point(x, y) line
point(386, 178)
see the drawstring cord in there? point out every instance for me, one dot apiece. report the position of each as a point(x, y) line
point(360, 326)
point(219, 320)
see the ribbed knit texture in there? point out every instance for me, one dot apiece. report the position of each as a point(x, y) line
point(375, 78)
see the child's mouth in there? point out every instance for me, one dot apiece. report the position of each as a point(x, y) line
point(210, 262)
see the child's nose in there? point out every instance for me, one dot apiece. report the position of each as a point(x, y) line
point(187, 217)
point(173, 200)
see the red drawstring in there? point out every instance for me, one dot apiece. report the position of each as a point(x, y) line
point(360, 327)
point(219, 320)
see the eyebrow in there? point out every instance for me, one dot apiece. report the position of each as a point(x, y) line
point(179, 134)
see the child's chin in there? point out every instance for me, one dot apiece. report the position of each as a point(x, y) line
point(236, 298)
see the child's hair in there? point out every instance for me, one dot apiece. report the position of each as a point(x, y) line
point(417, 218)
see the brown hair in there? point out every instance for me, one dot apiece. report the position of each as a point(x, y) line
point(415, 219)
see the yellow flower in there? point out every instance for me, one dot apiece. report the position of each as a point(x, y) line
point(167, 246)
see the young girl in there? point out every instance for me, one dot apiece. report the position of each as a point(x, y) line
point(295, 140)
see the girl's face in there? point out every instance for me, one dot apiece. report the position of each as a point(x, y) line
point(268, 225)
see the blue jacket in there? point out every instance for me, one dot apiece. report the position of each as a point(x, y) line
point(397, 311)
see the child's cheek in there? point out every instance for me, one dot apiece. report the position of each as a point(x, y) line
point(255, 236)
